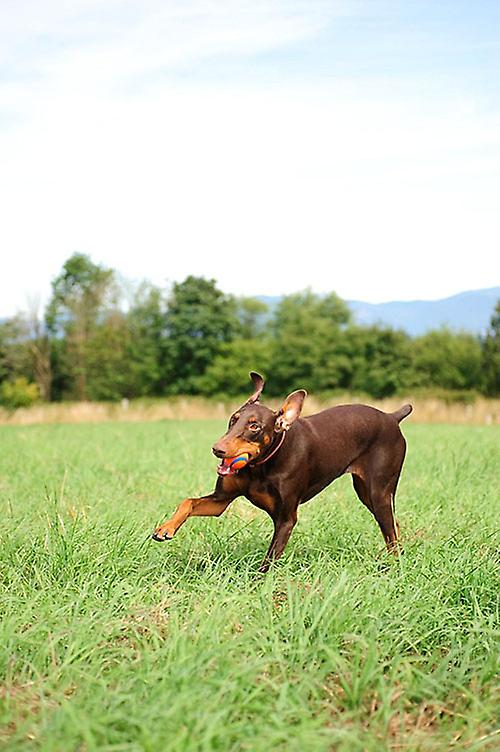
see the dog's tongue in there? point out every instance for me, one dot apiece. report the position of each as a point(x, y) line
point(225, 469)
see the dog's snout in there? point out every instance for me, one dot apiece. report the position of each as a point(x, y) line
point(218, 451)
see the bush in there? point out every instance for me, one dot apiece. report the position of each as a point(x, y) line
point(18, 393)
point(228, 374)
point(447, 360)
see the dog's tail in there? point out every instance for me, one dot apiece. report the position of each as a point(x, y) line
point(402, 413)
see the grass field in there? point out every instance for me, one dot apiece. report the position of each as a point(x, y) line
point(110, 641)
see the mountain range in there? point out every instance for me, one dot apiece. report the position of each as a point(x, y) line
point(469, 311)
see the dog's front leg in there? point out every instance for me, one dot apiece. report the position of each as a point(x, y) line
point(212, 505)
point(207, 506)
point(283, 527)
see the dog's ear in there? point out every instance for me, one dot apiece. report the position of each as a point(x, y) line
point(258, 383)
point(290, 410)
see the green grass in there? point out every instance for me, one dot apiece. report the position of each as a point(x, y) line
point(110, 641)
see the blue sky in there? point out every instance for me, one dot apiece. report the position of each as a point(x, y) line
point(350, 146)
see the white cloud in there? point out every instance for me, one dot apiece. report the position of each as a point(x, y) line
point(103, 42)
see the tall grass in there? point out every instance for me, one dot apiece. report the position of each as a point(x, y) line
point(111, 641)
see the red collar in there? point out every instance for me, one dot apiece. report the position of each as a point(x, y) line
point(278, 445)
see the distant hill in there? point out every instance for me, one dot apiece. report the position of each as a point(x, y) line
point(469, 311)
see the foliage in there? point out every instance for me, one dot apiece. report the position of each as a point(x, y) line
point(146, 346)
point(446, 359)
point(491, 356)
point(375, 359)
point(228, 373)
point(199, 320)
point(14, 356)
point(252, 314)
point(18, 393)
point(306, 330)
point(25, 350)
point(198, 340)
point(80, 296)
point(107, 363)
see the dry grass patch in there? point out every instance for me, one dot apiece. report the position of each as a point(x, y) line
point(23, 704)
point(480, 411)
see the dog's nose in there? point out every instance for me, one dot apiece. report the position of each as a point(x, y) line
point(220, 453)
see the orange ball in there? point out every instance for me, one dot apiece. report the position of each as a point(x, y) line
point(236, 463)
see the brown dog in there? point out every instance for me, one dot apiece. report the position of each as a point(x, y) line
point(291, 459)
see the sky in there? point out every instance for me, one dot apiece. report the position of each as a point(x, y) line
point(345, 145)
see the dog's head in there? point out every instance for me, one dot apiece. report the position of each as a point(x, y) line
point(253, 427)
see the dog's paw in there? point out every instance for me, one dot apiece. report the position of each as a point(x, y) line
point(161, 536)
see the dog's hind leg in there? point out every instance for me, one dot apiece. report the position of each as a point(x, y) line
point(381, 505)
point(381, 469)
point(362, 491)
point(383, 511)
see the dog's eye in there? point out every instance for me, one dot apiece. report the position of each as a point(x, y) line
point(254, 427)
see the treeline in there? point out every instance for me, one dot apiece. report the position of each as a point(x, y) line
point(98, 339)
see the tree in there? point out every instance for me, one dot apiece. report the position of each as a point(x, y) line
point(106, 364)
point(307, 330)
point(199, 320)
point(227, 374)
point(146, 348)
point(80, 295)
point(14, 354)
point(39, 345)
point(375, 360)
point(25, 350)
point(491, 355)
point(20, 363)
point(252, 315)
point(18, 393)
point(446, 359)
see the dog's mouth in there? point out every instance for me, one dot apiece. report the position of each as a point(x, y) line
point(232, 465)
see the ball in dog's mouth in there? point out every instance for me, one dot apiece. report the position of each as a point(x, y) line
point(231, 465)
